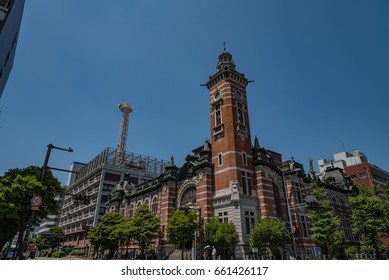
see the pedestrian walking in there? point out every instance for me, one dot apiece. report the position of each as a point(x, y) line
point(213, 253)
point(205, 255)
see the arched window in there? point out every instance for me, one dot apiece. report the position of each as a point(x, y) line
point(334, 204)
point(189, 196)
point(131, 210)
point(154, 205)
point(147, 202)
point(138, 204)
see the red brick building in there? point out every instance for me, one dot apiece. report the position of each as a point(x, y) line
point(227, 177)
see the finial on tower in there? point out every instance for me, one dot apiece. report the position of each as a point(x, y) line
point(224, 46)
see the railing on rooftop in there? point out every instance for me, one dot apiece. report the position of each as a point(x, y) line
point(109, 157)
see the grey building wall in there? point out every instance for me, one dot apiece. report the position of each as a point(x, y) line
point(11, 12)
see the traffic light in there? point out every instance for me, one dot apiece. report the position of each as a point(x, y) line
point(78, 198)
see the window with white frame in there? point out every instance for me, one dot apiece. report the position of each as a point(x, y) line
point(154, 205)
point(249, 220)
point(220, 159)
point(304, 226)
point(240, 113)
point(223, 217)
point(218, 115)
point(244, 158)
point(246, 182)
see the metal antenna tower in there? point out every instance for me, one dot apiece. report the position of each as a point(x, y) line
point(121, 150)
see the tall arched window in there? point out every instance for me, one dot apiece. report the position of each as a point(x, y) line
point(131, 210)
point(147, 202)
point(277, 200)
point(218, 115)
point(154, 205)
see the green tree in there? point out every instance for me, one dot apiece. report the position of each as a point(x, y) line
point(382, 191)
point(144, 228)
point(181, 227)
point(210, 229)
point(221, 235)
point(124, 234)
point(41, 243)
point(325, 224)
point(267, 235)
point(105, 234)
point(226, 239)
point(17, 187)
point(370, 213)
point(58, 234)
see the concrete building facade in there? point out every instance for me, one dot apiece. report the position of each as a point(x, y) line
point(11, 12)
point(357, 166)
point(85, 199)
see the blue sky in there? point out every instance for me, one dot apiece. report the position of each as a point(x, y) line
point(321, 71)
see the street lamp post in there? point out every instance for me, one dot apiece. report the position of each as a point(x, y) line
point(44, 167)
point(289, 209)
point(192, 207)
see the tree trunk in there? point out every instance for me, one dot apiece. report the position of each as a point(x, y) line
point(20, 242)
point(182, 250)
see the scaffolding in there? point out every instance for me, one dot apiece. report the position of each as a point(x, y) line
point(131, 161)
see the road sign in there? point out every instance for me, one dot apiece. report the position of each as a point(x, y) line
point(34, 208)
point(36, 201)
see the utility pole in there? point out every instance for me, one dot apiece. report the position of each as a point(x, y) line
point(34, 203)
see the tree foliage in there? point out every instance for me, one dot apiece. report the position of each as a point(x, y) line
point(58, 234)
point(17, 187)
point(370, 215)
point(210, 229)
point(114, 231)
point(105, 234)
point(325, 224)
point(42, 243)
point(221, 235)
point(144, 227)
point(267, 235)
point(181, 226)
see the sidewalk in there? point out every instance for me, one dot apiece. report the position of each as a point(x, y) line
point(64, 258)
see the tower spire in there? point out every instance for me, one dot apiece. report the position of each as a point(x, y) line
point(121, 149)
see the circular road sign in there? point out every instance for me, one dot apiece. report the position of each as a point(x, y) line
point(36, 201)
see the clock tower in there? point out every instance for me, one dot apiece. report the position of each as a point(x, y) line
point(234, 197)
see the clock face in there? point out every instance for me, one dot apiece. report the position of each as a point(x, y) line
point(217, 95)
point(238, 94)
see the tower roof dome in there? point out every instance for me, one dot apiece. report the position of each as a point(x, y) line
point(225, 60)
